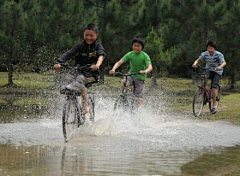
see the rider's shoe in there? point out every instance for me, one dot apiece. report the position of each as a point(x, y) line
point(214, 110)
point(89, 117)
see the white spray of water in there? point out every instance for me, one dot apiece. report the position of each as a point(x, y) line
point(151, 124)
point(110, 122)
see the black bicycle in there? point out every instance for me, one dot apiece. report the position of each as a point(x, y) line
point(73, 115)
point(203, 95)
point(124, 101)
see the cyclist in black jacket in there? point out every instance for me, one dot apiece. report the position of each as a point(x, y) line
point(87, 52)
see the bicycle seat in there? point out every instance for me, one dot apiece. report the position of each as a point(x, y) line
point(91, 80)
point(205, 75)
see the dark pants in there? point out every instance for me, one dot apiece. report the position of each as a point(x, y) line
point(138, 86)
point(215, 79)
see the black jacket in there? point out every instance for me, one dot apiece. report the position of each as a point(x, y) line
point(83, 54)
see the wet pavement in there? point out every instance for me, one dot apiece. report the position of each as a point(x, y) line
point(144, 144)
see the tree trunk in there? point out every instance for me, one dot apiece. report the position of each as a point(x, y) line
point(155, 19)
point(103, 27)
point(10, 69)
point(153, 81)
point(102, 71)
point(232, 81)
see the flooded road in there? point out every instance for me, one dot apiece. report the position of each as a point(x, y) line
point(144, 144)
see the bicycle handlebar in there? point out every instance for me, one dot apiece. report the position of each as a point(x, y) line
point(85, 68)
point(204, 68)
point(125, 74)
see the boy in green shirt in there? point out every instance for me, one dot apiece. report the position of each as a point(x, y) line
point(139, 62)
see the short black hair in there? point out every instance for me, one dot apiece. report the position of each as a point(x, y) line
point(212, 44)
point(140, 40)
point(92, 27)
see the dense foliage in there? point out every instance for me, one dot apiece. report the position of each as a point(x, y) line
point(34, 33)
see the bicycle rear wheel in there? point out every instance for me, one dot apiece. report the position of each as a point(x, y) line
point(217, 99)
point(198, 102)
point(70, 118)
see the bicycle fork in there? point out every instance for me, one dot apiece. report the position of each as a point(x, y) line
point(207, 94)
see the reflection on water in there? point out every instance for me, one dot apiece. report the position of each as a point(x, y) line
point(121, 162)
point(144, 144)
point(80, 160)
point(23, 160)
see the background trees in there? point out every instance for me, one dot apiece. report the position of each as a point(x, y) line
point(34, 33)
point(11, 35)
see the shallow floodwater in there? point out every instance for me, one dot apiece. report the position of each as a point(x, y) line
point(121, 144)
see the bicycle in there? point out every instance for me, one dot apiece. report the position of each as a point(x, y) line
point(123, 102)
point(73, 115)
point(203, 95)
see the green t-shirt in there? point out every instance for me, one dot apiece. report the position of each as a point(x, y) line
point(138, 62)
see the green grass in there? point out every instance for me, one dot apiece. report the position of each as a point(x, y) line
point(176, 85)
point(228, 108)
point(28, 80)
point(2, 101)
point(181, 96)
point(31, 101)
point(177, 92)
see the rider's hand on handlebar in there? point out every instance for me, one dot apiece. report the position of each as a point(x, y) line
point(194, 66)
point(94, 67)
point(143, 72)
point(111, 72)
point(57, 66)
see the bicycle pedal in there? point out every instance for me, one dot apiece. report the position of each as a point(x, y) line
point(88, 119)
point(82, 120)
point(91, 119)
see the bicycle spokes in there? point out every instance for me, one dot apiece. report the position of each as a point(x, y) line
point(70, 121)
point(198, 102)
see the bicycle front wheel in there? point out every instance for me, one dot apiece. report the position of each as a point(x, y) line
point(91, 108)
point(118, 103)
point(198, 102)
point(121, 103)
point(70, 119)
point(217, 99)
point(134, 106)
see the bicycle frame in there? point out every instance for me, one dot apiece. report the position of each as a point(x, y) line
point(125, 89)
point(207, 92)
point(72, 101)
point(204, 95)
point(125, 80)
point(124, 95)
